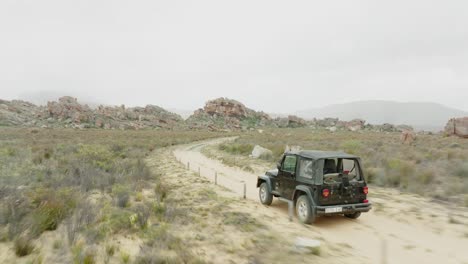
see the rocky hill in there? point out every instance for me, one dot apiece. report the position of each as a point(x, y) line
point(224, 113)
point(68, 112)
point(218, 114)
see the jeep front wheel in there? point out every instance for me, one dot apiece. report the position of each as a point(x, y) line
point(266, 197)
point(304, 210)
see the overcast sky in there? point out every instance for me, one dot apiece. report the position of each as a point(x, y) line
point(277, 56)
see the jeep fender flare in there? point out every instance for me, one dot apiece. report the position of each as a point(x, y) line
point(264, 178)
point(307, 191)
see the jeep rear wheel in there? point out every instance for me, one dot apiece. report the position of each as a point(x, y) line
point(355, 215)
point(266, 197)
point(304, 210)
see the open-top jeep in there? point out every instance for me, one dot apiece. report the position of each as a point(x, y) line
point(319, 183)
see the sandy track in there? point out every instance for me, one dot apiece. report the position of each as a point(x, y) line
point(400, 233)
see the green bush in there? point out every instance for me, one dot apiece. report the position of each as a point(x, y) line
point(122, 195)
point(352, 146)
point(375, 176)
point(237, 149)
point(118, 220)
point(100, 156)
point(52, 208)
point(398, 173)
point(83, 256)
point(49, 215)
point(241, 220)
point(23, 246)
point(143, 212)
point(159, 209)
point(462, 170)
point(425, 177)
point(161, 192)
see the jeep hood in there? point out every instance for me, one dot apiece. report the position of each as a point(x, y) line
point(272, 173)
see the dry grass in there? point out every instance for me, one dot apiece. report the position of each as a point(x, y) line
point(90, 182)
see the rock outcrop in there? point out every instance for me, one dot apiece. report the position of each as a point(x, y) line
point(20, 113)
point(224, 113)
point(290, 121)
point(407, 137)
point(457, 127)
point(68, 112)
point(355, 124)
point(216, 115)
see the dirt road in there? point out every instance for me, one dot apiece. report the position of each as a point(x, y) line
point(402, 228)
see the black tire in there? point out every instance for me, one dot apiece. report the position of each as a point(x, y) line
point(264, 194)
point(355, 215)
point(305, 212)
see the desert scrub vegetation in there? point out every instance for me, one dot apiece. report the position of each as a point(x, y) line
point(435, 165)
point(85, 184)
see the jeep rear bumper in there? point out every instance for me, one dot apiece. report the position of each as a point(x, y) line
point(345, 209)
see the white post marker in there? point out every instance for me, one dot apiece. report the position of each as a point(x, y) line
point(290, 210)
point(384, 251)
point(245, 190)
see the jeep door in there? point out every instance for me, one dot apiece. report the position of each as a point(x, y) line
point(287, 176)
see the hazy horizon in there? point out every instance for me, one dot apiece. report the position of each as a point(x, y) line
point(274, 56)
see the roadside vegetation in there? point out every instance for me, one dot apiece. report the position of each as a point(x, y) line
point(81, 194)
point(434, 165)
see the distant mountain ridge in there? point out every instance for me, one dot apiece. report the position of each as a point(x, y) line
point(421, 115)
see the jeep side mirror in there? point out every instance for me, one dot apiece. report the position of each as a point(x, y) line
point(278, 165)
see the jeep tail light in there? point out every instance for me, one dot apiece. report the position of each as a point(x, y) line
point(365, 190)
point(325, 193)
point(365, 201)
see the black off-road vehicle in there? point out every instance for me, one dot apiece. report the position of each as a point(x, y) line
point(319, 183)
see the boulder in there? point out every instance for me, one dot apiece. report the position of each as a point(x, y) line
point(355, 124)
point(227, 114)
point(226, 107)
point(292, 148)
point(295, 121)
point(259, 152)
point(68, 107)
point(407, 137)
point(457, 127)
point(307, 245)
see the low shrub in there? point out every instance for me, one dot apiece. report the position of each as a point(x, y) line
point(238, 149)
point(243, 221)
point(122, 195)
point(143, 212)
point(352, 146)
point(462, 170)
point(52, 208)
point(23, 246)
point(82, 255)
point(160, 191)
point(425, 177)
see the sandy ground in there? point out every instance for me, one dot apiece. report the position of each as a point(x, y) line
point(402, 228)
